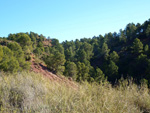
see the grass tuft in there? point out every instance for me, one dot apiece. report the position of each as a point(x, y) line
point(30, 92)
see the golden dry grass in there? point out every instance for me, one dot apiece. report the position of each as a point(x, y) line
point(30, 92)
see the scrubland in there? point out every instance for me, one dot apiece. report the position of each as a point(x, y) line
point(28, 92)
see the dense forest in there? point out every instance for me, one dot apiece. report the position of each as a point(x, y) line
point(110, 57)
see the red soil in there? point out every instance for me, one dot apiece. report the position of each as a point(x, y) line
point(42, 69)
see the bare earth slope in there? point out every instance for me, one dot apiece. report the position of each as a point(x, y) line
point(42, 69)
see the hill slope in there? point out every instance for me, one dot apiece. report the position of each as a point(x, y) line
point(43, 70)
point(112, 56)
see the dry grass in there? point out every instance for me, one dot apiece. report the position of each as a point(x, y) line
point(30, 92)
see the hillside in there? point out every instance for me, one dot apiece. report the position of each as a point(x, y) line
point(109, 73)
point(109, 57)
point(42, 69)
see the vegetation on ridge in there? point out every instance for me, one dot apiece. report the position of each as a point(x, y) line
point(98, 63)
point(112, 56)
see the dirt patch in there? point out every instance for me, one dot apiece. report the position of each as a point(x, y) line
point(42, 69)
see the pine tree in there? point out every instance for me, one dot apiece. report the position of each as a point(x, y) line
point(148, 31)
point(146, 49)
point(137, 46)
point(71, 70)
point(83, 71)
point(55, 62)
point(114, 56)
point(100, 76)
point(105, 51)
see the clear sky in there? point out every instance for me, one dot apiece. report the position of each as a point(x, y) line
point(70, 19)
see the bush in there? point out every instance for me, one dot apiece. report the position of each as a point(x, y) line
point(9, 62)
point(16, 98)
point(55, 62)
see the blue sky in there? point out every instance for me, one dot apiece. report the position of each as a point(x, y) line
point(70, 19)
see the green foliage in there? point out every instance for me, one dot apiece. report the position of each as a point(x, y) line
point(68, 54)
point(13, 65)
point(137, 46)
point(24, 40)
point(111, 70)
point(11, 37)
point(100, 76)
point(81, 55)
point(38, 51)
point(55, 62)
point(105, 51)
point(122, 38)
point(47, 50)
point(55, 42)
point(130, 31)
point(40, 44)
point(33, 39)
point(25, 65)
point(88, 50)
point(71, 70)
point(18, 53)
point(141, 65)
point(83, 71)
point(9, 62)
point(57, 46)
point(117, 54)
point(12, 58)
point(144, 82)
point(146, 49)
point(27, 52)
point(1, 52)
point(148, 31)
point(17, 50)
point(114, 56)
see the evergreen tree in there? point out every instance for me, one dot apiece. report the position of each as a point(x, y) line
point(146, 49)
point(100, 76)
point(69, 55)
point(55, 62)
point(141, 66)
point(24, 40)
point(88, 50)
point(137, 46)
point(33, 39)
point(114, 57)
point(17, 50)
point(9, 62)
point(111, 71)
point(19, 55)
point(27, 52)
point(83, 72)
point(71, 70)
point(11, 37)
point(38, 51)
point(148, 31)
point(105, 51)
point(122, 37)
point(81, 55)
point(13, 65)
point(130, 31)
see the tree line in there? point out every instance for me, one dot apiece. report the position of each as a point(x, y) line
point(109, 57)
